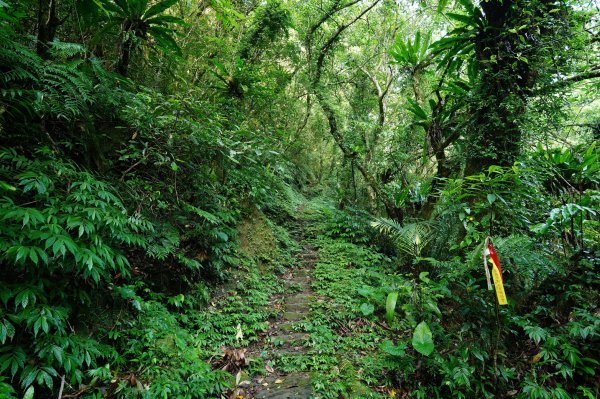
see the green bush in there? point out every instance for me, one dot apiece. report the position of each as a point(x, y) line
point(62, 243)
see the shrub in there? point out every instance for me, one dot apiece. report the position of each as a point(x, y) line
point(63, 240)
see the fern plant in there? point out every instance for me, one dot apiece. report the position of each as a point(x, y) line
point(137, 21)
point(21, 68)
point(31, 88)
point(410, 239)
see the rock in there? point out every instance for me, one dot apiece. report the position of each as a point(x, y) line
point(295, 385)
point(294, 316)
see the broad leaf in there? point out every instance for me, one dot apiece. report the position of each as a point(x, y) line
point(422, 339)
point(367, 309)
point(390, 305)
point(165, 19)
point(416, 109)
point(158, 8)
point(465, 19)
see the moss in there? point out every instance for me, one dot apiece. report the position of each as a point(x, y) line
point(257, 238)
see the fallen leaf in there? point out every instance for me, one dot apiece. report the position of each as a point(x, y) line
point(269, 368)
point(279, 381)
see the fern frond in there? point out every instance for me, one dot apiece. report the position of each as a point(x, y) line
point(66, 50)
point(410, 239)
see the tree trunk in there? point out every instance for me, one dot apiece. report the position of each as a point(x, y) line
point(125, 56)
point(494, 137)
point(47, 24)
point(443, 172)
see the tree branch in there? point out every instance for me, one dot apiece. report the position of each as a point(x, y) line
point(330, 112)
point(325, 48)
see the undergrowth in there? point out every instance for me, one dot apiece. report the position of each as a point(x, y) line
point(432, 330)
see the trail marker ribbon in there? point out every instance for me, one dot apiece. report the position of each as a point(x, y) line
point(488, 250)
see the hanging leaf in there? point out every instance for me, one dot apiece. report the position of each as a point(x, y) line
point(415, 47)
point(424, 46)
point(390, 305)
point(416, 109)
point(465, 19)
point(158, 8)
point(422, 339)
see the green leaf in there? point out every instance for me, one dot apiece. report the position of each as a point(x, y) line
point(491, 198)
point(536, 333)
point(158, 8)
point(422, 339)
point(29, 393)
point(393, 350)
point(221, 235)
point(136, 8)
point(165, 41)
point(442, 5)
point(416, 109)
point(166, 19)
point(468, 20)
point(6, 186)
point(33, 256)
point(468, 5)
point(390, 305)
point(367, 309)
point(423, 277)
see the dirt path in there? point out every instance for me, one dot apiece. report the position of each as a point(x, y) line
point(283, 338)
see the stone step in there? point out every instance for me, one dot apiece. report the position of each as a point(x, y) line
point(295, 316)
point(289, 351)
point(300, 297)
point(287, 326)
point(302, 307)
point(284, 341)
point(303, 282)
point(292, 386)
point(293, 338)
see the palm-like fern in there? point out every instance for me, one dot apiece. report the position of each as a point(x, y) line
point(410, 239)
point(137, 20)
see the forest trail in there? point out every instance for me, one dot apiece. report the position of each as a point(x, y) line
point(283, 337)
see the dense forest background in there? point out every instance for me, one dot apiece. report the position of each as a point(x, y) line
point(157, 155)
